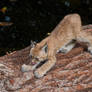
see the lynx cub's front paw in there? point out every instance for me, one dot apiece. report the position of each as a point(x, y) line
point(26, 68)
point(39, 73)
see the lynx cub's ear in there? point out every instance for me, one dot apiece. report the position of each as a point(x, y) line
point(33, 43)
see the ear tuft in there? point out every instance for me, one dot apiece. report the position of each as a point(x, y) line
point(33, 43)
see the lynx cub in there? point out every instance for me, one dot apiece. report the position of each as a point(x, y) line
point(63, 36)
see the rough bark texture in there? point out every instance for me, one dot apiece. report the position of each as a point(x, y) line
point(72, 72)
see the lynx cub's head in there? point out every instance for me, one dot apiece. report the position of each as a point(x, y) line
point(38, 54)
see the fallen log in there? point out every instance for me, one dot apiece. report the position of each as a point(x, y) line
point(72, 72)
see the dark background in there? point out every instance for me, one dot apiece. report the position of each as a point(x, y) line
point(33, 19)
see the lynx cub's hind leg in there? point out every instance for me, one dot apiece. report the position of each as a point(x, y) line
point(67, 48)
point(89, 39)
point(90, 49)
point(86, 37)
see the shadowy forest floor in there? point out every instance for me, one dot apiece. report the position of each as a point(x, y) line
point(72, 72)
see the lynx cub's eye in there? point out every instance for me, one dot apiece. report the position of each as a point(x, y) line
point(37, 59)
point(31, 56)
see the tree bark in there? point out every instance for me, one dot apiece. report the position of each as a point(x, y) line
point(72, 72)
